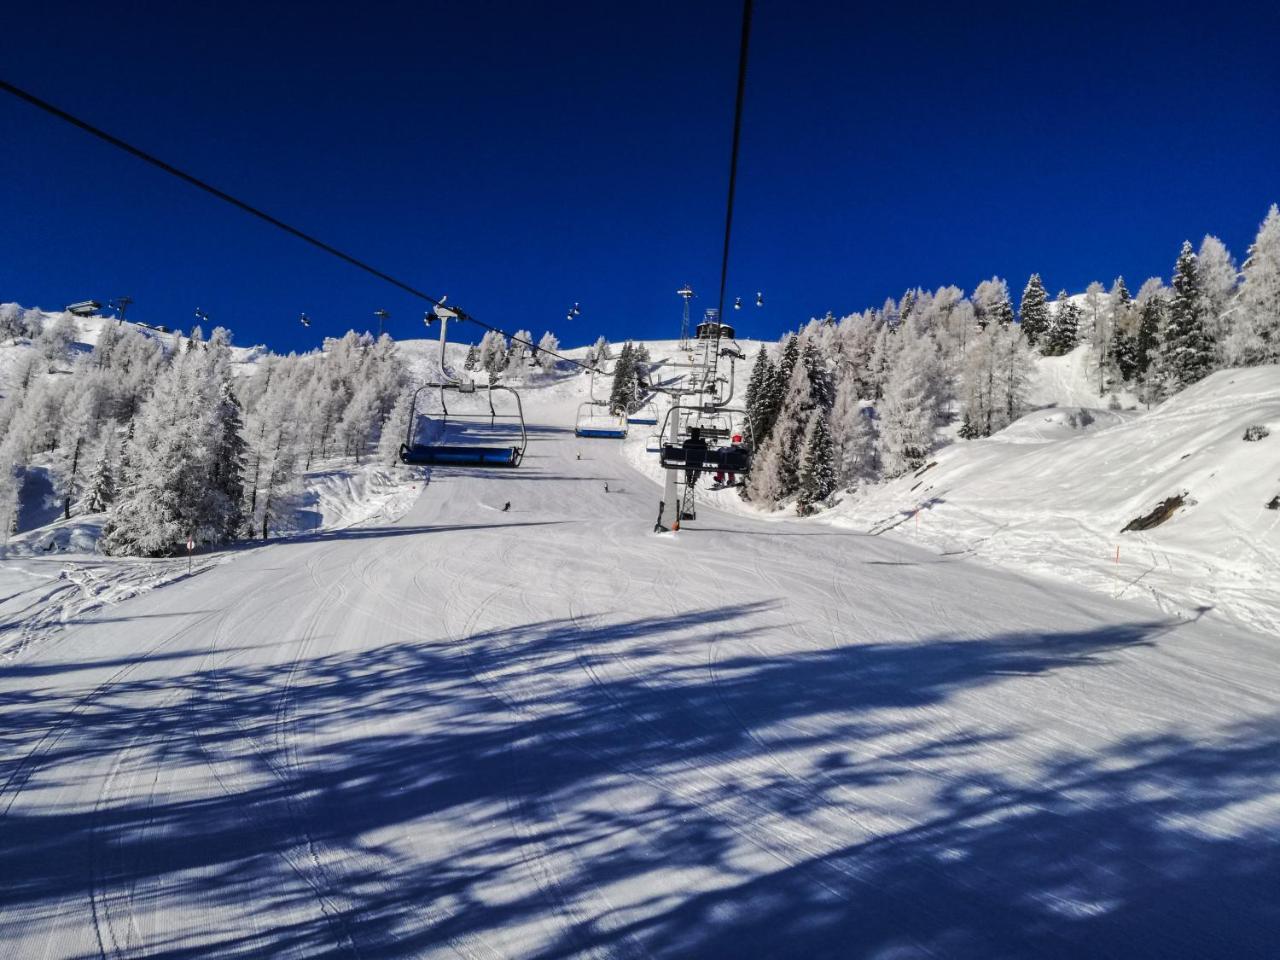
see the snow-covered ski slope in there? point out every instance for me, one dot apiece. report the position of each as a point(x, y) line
point(548, 732)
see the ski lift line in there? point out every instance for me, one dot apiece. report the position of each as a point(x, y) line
point(733, 153)
point(250, 209)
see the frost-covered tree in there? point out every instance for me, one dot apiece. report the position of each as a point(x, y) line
point(548, 347)
point(359, 423)
point(395, 430)
point(472, 360)
point(1034, 310)
point(991, 303)
point(887, 346)
point(1186, 351)
point(519, 353)
point(853, 437)
point(1255, 334)
point(909, 413)
point(100, 490)
point(56, 339)
point(493, 352)
point(171, 488)
point(817, 476)
point(1219, 277)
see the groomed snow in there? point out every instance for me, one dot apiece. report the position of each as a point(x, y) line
point(547, 732)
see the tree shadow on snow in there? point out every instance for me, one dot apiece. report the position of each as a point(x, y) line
point(631, 788)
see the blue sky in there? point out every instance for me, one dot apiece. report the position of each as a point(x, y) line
point(520, 157)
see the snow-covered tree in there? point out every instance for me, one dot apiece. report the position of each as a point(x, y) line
point(472, 360)
point(1064, 327)
point(100, 490)
point(359, 421)
point(1219, 277)
point(395, 430)
point(1186, 351)
point(56, 339)
point(548, 347)
point(622, 396)
point(493, 352)
point(1034, 310)
point(909, 413)
point(1255, 333)
point(853, 437)
point(822, 386)
point(519, 353)
point(991, 303)
point(171, 489)
point(817, 477)
point(775, 476)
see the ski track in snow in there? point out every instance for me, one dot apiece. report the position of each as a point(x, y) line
point(549, 733)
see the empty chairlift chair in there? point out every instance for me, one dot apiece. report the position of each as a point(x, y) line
point(596, 420)
point(646, 415)
point(465, 448)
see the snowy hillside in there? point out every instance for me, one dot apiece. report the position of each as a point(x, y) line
point(1052, 493)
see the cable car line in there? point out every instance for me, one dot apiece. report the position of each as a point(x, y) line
point(733, 153)
point(261, 214)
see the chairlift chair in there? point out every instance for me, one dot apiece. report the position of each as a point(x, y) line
point(466, 454)
point(603, 426)
point(722, 456)
point(647, 415)
point(463, 454)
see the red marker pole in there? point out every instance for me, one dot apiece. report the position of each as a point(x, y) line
point(191, 545)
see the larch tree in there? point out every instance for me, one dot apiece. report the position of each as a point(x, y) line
point(908, 414)
point(1219, 279)
point(1255, 334)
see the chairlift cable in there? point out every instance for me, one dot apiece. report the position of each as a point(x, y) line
point(249, 208)
point(733, 154)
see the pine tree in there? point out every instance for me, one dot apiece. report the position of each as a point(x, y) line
point(772, 394)
point(1064, 330)
point(817, 478)
point(1151, 320)
point(822, 387)
point(472, 360)
point(622, 397)
point(227, 475)
point(1187, 353)
point(1034, 310)
point(100, 492)
point(790, 356)
point(755, 395)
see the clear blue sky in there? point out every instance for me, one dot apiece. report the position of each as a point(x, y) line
point(522, 156)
